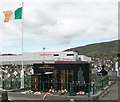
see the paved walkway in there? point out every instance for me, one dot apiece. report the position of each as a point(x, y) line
point(113, 93)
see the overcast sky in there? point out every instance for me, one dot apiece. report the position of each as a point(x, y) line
point(58, 24)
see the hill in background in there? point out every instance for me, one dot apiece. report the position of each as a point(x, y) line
point(99, 49)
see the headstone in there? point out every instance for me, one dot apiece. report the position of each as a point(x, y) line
point(4, 96)
point(114, 73)
point(110, 73)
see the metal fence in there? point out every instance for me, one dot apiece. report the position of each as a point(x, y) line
point(100, 84)
point(14, 84)
point(63, 88)
point(71, 88)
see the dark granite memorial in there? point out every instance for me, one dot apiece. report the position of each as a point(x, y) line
point(59, 75)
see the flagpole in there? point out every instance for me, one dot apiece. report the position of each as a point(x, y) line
point(22, 71)
point(1, 64)
point(1, 71)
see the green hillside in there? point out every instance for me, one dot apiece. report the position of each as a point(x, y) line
point(99, 49)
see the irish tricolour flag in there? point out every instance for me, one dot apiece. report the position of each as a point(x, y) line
point(17, 14)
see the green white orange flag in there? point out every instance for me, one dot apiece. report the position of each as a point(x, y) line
point(17, 14)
